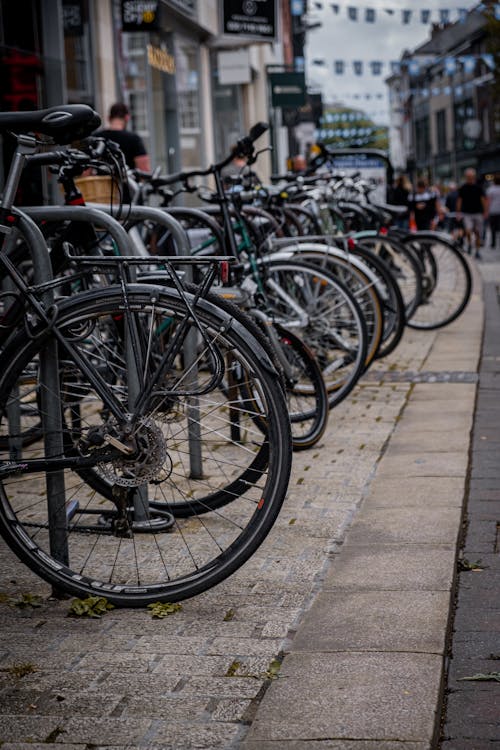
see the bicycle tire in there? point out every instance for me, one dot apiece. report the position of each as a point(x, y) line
point(304, 387)
point(447, 279)
point(305, 298)
point(362, 288)
point(403, 264)
point(175, 558)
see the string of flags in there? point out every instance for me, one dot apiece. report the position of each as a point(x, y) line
point(426, 91)
point(406, 15)
point(344, 117)
point(414, 66)
point(351, 116)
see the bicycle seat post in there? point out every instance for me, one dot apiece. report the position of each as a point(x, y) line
point(26, 146)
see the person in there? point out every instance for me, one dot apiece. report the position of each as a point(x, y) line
point(424, 206)
point(453, 225)
point(493, 196)
point(398, 196)
point(130, 143)
point(472, 207)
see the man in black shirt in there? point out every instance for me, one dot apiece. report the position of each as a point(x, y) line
point(130, 143)
point(472, 207)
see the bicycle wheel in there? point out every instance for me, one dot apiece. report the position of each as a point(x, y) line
point(193, 446)
point(305, 298)
point(447, 282)
point(402, 263)
point(302, 380)
point(363, 289)
point(306, 394)
point(391, 299)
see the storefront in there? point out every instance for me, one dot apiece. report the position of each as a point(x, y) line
point(46, 58)
point(158, 74)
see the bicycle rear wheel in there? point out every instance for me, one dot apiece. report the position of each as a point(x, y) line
point(201, 485)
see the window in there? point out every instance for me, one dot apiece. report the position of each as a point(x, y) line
point(186, 55)
point(442, 144)
point(422, 141)
point(77, 50)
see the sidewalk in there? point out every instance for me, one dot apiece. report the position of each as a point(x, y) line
point(351, 591)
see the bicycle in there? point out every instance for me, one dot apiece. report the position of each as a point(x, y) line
point(153, 478)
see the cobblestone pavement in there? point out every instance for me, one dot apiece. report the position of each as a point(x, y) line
point(196, 678)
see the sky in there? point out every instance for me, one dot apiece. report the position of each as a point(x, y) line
point(341, 38)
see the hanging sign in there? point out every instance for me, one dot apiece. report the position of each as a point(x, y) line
point(250, 18)
point(288, 89)
point(139, 15)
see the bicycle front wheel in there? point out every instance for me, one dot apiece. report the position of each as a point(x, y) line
point(165, 506)
point(447, 282)
point(305, 298)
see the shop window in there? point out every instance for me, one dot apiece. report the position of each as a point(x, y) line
point(187, 66)
point(135, 75)
point(78, 51)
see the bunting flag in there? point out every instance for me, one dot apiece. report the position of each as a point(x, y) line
point(425, 92)
point(407, 15)
point(413, 66)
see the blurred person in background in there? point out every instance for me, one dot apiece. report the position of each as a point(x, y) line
point(493, 196)
point(130, 143)
point(472, 207)
point(424, 206)
point(398, 196)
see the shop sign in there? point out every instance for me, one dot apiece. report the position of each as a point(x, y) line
point(288, 89)
point(72, 17)
point(251, 18)
point(234, 67)
point(139, 15)
point(160, 59)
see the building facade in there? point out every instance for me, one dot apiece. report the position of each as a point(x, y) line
point(193, 72)
point(443, 116)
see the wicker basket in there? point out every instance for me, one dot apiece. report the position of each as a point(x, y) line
point(99, 189)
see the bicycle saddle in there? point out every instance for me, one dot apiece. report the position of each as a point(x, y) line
point(64, 124)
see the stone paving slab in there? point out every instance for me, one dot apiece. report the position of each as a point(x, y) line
point(421, 491)
point(375, 621)
point(333, 745)
point(396, 691)
point(396, 567)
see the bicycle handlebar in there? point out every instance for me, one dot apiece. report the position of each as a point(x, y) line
point(243, 147)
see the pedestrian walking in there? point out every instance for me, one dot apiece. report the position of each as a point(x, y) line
point(423, 203)
point(399, 196)
point(493, 196)
point(131, 144)
point(453, 225)
point(472, 207)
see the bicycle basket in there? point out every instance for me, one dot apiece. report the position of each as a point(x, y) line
point(99, 189)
